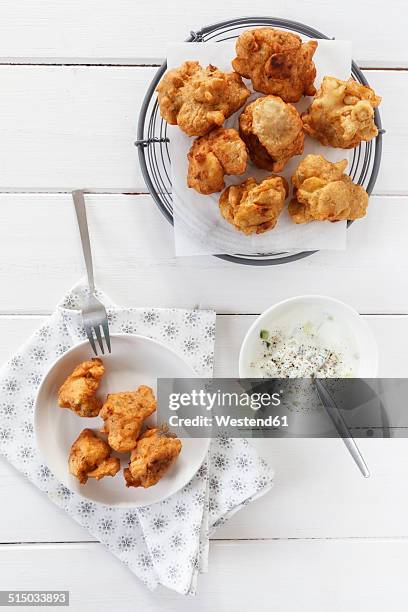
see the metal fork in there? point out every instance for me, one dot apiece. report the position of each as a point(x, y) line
point(94, 314)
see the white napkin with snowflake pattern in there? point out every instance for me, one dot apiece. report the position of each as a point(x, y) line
point(165, 543)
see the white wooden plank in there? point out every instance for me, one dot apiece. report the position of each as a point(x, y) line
point(313, 576)
point(68, 127)
point(93, 31)
point(40, 258)
point(317, 476)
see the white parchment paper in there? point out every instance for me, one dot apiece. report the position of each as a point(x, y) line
point(199, 228)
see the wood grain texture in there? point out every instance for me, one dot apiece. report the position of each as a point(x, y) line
point(312, 576)
point(99, 31)
point(67, 127)
point(40, 258)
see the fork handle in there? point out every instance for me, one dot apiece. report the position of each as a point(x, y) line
point(79, 203)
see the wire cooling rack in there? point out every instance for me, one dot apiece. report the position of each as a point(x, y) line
point(153, 142)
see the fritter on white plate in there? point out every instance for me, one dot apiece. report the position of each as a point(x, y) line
point(154, 454)
point(123, 414)
point(89, 457)
point(78, 391)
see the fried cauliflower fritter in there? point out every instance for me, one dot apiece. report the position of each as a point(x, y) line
point(342, 113)
point(89, 457)
point(154, 454)
point(277, 63)
point(212, 156)
point(272, 131)
point(199, 99)
point(78, 391)
point(123, 415)
point(322, 192)
point(254, 208)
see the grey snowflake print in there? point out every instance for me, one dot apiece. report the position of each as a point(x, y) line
point(207, 360)
point(214, 484)
point(191, 318)
point(190, 346)
point(6, 435)
point(8, 410)
point(61, 348)
point(106, 525)
point(112, 316)
point(199, 498)
point(202, 471)
point(128, 327)
point(159, 523)
point(177, 541)
point(34, 379)
point(224, 441)
point(237, 485)
point(80, 331)
point(16, 362)
point(86, 508)
point(261, 482)
point(150, 317)
point(196, 529)
point(63, 493)
point(173, 573)
point(28, 404)
point(209, 331)
point(126, 543)
point(180, 510)
point(43, 473)
point(221, 462)
point(130, 519)
point(27, 428)
point(194, 561)
point(25, 453)
point(44, 333)
point(170, 330)
point(71, 301)
point(38, 354)
point(144, 561)
point(157, 553)
point(243, 462)
point(10, 386)
point(213, 506)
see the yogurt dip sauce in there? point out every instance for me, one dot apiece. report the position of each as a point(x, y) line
point(313, 347)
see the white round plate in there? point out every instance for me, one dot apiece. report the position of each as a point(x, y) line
point(134, 360)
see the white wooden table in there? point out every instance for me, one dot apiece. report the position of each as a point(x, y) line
point(72, 77)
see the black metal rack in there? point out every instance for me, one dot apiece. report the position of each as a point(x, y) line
point(152, 139)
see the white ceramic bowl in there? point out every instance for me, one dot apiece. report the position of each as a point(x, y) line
point(135, 360)
point(346, 327)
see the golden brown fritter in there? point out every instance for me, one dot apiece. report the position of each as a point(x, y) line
point(322, 192)
point(272, 131)
point(78, 391)
point(89, 457)
point(277, 63)
point(154, 454)
point(123, 415)
point(199, 99)
point(254, 208)
point(342, 113)
point(212, 156)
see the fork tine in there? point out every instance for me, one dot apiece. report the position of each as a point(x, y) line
point(99, 337)
point(105, 327)
point(89, 333)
